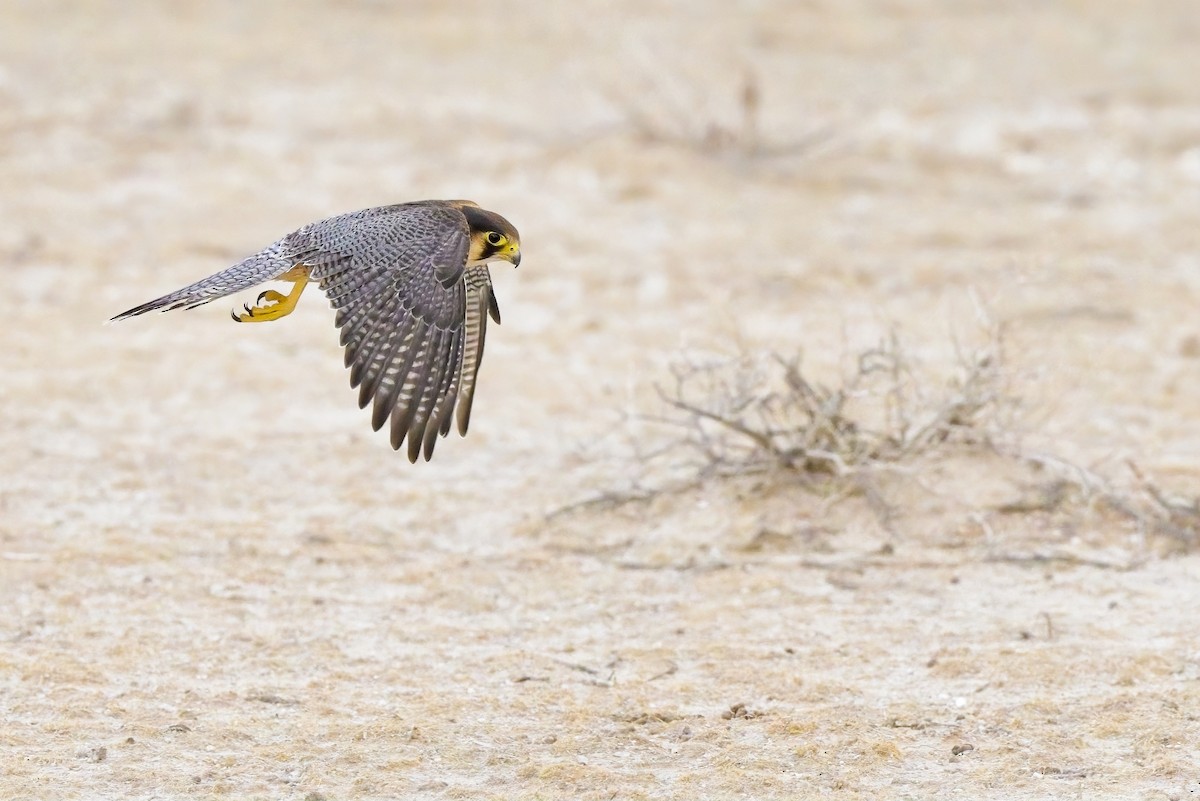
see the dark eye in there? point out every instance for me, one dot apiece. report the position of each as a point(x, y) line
point(494, 238)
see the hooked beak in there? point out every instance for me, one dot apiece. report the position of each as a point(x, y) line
point(515, 258)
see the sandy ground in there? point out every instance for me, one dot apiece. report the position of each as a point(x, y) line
point(216, 582)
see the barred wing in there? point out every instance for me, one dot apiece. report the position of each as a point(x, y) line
point(404, 319)
point(481, 303)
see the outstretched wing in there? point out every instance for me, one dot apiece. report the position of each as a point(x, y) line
point(395, 277)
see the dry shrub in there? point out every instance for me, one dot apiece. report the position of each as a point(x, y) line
point(751, 414)
point(1158, 513)
point(888, 416)
point(756, 414)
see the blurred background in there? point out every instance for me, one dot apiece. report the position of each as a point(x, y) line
point(195, 517)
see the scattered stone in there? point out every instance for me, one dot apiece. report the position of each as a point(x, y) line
point(959, 750)
point(738, 711)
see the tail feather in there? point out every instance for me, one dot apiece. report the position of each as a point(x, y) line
point(263, 266)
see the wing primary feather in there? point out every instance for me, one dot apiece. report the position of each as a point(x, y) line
point(366, 333)
point(383, 370)
point(354, 330)
point(429, 394)
point(446, 414)
point(375, 342)
point(493, 305)
point(411, 390)
point(476, 334)
point(444, 399)
point(385, 401)
point(384, 359)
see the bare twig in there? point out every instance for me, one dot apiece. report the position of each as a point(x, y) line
point(744, 415)
point(753, 415)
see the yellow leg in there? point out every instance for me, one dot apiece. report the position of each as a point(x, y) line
point(272, 305)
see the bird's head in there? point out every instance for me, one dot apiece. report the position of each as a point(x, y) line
point(492, 237)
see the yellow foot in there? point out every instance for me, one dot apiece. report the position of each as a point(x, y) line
point(270, 305)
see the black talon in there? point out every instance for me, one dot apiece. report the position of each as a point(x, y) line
point(261, 295)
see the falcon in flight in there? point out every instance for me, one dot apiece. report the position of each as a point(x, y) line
point(412, 291)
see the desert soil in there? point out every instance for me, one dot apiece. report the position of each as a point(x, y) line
point(217, 582)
